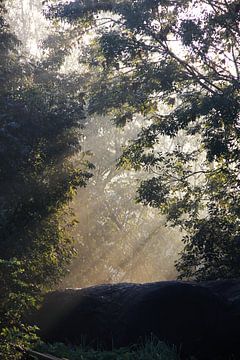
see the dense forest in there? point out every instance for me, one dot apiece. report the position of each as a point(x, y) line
point(119, 148)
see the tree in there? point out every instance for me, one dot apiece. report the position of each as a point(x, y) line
point(42, 117)
point(177, 64)
point(117, 239)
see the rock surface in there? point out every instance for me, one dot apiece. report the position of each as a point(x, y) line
point(202, 319)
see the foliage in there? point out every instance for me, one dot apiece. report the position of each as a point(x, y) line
point(152, 349)
point(42, 117)
point(177, 64)
point(16, 298)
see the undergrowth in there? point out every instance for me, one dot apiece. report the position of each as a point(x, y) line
point(152, 349)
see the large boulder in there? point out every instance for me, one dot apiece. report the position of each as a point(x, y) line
point(201, 319)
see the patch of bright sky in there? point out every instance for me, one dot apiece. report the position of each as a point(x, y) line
point(28, 22)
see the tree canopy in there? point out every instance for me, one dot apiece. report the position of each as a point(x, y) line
point(177, 64)
point(42, 116)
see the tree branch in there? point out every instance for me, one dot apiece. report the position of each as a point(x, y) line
point(235, 63)
point(77, 9)
point(190, 69)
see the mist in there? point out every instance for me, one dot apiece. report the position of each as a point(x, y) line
point(118, 240)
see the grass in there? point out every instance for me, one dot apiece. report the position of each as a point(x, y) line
point(152, 349)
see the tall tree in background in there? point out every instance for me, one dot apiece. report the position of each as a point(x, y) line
point(177, 64)
point(117, 239)
point(42, 117)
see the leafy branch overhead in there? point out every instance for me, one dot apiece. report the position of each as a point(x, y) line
point(175, 63)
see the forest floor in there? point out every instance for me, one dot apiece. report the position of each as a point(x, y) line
point(151, 350)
